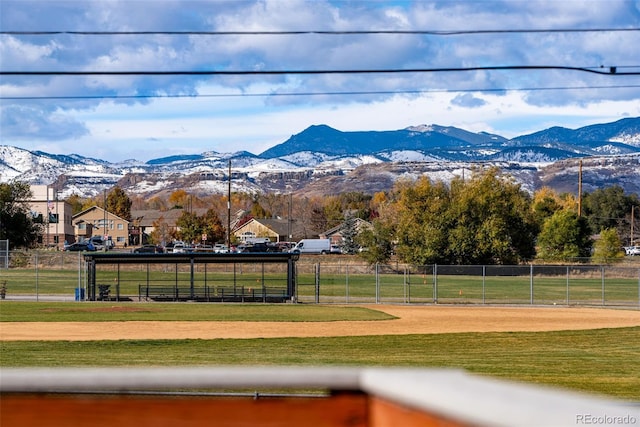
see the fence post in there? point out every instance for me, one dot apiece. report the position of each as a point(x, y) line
point(567, 285)
point(317, 268)
point(37, 278)
point(602, 278)
point(264, 286)
point(531, 284)
point(346, 272)
point(377, 285)
point(405, 283)
point(192, 282)
point(484, 276)
point(435, 283)
point(79, 276)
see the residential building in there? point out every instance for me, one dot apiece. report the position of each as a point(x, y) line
point(276, 229)
point(335, 233)
point(95, 221)
point(144, 222)
point(54, 213)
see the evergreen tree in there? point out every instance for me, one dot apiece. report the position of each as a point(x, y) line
point(349, 233)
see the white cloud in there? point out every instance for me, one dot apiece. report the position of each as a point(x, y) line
point(256, 123)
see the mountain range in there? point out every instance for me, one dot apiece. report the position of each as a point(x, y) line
point(322, 160)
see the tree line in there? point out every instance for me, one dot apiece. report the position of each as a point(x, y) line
point(489, 219)
point(484, 219)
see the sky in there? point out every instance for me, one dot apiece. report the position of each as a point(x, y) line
point(143, 117)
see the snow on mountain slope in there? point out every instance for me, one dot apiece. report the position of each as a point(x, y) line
point(632, 139)
point(407, 156)
point(439, 152)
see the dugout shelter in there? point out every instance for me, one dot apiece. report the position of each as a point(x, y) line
point(192, 276)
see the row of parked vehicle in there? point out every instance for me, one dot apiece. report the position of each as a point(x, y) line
point(311, 246)
point(95, 243)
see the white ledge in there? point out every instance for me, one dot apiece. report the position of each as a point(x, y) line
point(454, 394)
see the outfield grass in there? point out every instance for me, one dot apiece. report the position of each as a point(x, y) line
point(603, 361)
point(18, 311)
point(597, 361)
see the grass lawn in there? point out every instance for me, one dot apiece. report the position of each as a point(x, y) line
point(13, 311)
point(603, 361)
point(598, 361)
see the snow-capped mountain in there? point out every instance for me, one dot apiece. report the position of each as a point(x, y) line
point(323, 160)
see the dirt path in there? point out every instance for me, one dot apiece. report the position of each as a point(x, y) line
point(411, 320)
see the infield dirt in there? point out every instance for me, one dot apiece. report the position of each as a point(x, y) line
point(410, 320)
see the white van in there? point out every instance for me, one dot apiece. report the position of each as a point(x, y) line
point(312, 246)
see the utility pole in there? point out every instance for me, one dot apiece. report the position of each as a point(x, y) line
point(104, 224)
point(48, 213)
point(632, 219)
point(289, 231)
point(57, 238)
point(229, 208)
point(580, 189)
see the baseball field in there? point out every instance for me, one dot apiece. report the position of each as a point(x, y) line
point(589, 349)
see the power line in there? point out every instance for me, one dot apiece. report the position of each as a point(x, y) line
point(321, 32)
point(274, 94)
point(612, 71)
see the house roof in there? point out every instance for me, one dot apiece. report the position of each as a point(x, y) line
point(109, 214)
point(277, 225)
point(338, 228)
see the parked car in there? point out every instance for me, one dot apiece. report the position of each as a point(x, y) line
point(148, 249)
point(336, 249)
point(203, 248)
point(285, 246)
point(261, 247)
point(219, 248)
point(632, 250)
point(80, 247)
point(179, 248)
point(101, 243)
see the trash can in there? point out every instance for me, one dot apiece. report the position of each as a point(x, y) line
point(79, 294)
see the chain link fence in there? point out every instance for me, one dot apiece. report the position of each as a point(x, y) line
point(592, 285)
point(4, 254)
point(61, 276)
